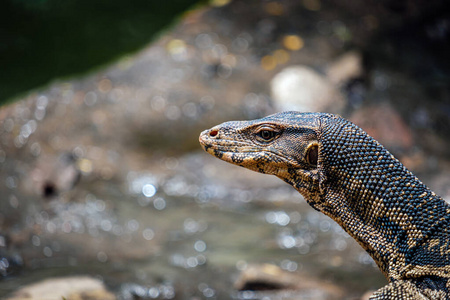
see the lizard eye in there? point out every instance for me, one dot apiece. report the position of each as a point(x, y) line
point(312, 154)
point(266, 135)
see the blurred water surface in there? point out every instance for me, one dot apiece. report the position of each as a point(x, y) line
point(104, 175)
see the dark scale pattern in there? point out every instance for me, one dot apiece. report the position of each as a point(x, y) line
point(401, 223)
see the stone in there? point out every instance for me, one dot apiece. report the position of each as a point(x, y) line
point(301, 88)
point(69, 288)
point(346, 67)
point(271, 281)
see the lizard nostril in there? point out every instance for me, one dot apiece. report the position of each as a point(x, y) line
point(213, 133)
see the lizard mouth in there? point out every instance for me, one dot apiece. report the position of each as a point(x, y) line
point(218, 146)
point(238, 152)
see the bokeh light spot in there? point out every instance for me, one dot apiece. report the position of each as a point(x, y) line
point(219, 3)
point(268, 62)
point(176, 46)
point(293, 42)
point(85, 165)
point(148, 190)
point(274, 8)
point(313, 5)
point(200, 246)
point(281, 56)
point(105, 85)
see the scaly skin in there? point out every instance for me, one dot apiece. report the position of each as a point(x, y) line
point(347, 175)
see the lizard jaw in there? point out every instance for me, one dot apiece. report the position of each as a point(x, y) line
point(244, 154)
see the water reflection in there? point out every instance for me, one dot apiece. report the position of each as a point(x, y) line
point(278, 217)
point(133, 291)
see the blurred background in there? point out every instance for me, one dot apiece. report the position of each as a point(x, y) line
point(105, 192)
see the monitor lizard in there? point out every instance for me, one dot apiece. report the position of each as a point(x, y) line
point(344, 173)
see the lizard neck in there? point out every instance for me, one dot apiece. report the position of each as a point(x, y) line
point(377, 200)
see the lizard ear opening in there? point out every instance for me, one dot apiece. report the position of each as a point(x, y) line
point(312, 154)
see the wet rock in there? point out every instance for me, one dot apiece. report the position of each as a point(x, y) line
point(70, 288)
point(268, 278)
point(303, 89)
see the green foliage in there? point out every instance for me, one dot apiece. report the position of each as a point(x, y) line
point(41, 40)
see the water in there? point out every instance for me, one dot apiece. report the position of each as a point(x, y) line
point(104, 176)
point(181, 230)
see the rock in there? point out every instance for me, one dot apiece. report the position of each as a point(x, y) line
point(70, 288)
point(265, 277)
point(269, 279)
point(348, 74)
point(303, 89)
point(347, 67)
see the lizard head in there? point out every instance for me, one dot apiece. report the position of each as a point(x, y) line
point(275, 145)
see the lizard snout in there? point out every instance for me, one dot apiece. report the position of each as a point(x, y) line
point(210, 133)
point(207, 135)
